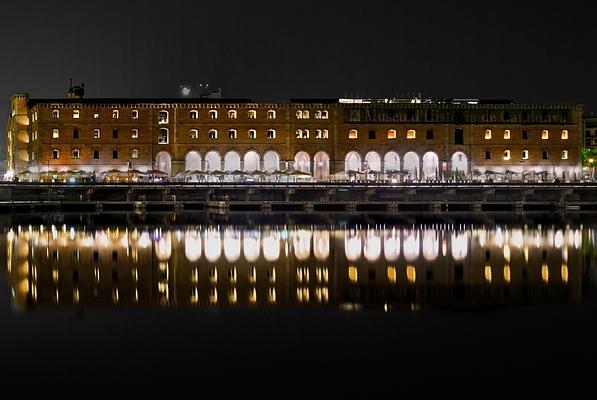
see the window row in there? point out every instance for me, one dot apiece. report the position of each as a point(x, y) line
point(391, 134)
point(96, 133)
point(319, 134)
point(164, 135)
point(96, 114)
point(318, 114)
point(76, 154)
point(163, 116)
point(525, 134)
point(524, 154)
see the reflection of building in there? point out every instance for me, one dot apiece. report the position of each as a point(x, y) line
point(356, 138)
point(414, 266)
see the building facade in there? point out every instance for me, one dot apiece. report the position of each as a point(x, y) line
point(326, 139)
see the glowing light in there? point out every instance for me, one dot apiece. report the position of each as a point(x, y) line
point(517, 238)
point(488, 273)
point(391, 245)
point(507, 253)
point(353, 274)
point(411, 274)
point(507, 275)
point(391, 272)
point(321, 244)
point(545, 273)
point(163, 249)
point(352, 245)
point(430, 244)
point(213, 247)
point(411, 245)
point(144, 241)
point(459, 245)
point(302, 244)
point(251, 245)
point(231, 245)
point(558, 239)
point(192, 245)
point(372, 248)
point(271, 246)
point(498, 239)
point(564, 273)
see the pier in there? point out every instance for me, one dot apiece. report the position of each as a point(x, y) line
point(298, 197)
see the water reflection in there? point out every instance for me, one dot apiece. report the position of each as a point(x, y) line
point(377, 266)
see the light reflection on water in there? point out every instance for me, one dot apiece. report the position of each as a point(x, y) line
point(383, 267)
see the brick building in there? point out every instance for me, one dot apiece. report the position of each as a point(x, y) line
point(356, 138)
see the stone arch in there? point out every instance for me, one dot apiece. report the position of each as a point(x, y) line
point(271, 161)
point(251, 161)
point(459, 164)
point(232, 161)
point(213, 161)
point(411, 164)
point(321, 165)
point(373, 161)
point(192, 161)
point(352, 161)
point(163, 162)
point(430, 166)
point(302, 162)
point(391, 162)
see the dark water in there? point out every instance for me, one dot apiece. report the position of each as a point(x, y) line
point(177, 298)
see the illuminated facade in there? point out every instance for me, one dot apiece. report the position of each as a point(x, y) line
point(325, 139)
point(414, 266)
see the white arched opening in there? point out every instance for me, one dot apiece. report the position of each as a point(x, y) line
point(231, 244)
point(192, 245)
point(251, 245)
point(232, 161)
point(391, 244)
point(411, 245)
point(372, 248)
point(391, 162)
point(213, 161)
point(251, 161)
point(321, 166)
point(430, 166)
point(271, 161)
point(352, 161)
point(352, 245)
point(163, 162)
point(321, 244)
point(192, 161)
point(302, 162)
point(411, 165)
point(459, 164)
point(271, 245)
point(430, 244)
point(373, 161)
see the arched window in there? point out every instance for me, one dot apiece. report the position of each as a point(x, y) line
point(271, 133)
point(507, 134)
point(318, 114)
point(135, 114)
point(75, 154)
point(163, 117)
point(213, 114)
point(115, 114)
point(135, 153)
point(545, 134)
point(231, 114)
point(252, 114)
point(324, 114)
point(55, 154)
point(564, 154)
point(506, 154)
point(325, 134)
point(55, 133)
point(487, 134)
point(299, 114)
point(231, 133)
point(212, 134)
point(392, 134)
point(252, 134)
point(411, 134)
point(163, 138)
point(135, 133)
point(271, 114)
point(353, 134)
point(55, 114)
point(564, 134)
point(305, 114)
point(76, 114)
point(525, 154)
point(194, 134)
point(194, 114)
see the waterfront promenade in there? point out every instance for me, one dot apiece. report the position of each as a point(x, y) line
point(299, 197)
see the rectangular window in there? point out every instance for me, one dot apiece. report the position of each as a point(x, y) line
point(76, 114)
point(392, 134)
point(115, 153)
point(135, 114)
point(507, 134)
point(429, 134)
point(564, 134)
point(75, 154)
point(545, 134)
point(271, 134)
point(371, 134)
point(114, 133)
point(55, 154)
point(96, 114)
point(488, 154)
point(194, 114)
point(163, 137)
point(95, 154)
point(75, 133)
point(55, 133)
point(115, 114)
point(194, 134)
point(545, 155)
point(564, 154)
point(353, 134)
point(135, 134)
point(458, 136)
point(96, 133)
point(487, 134)
point(525, 154)
point(411, 134)
point(252, 134)
point(135, 153)
point(525, 134)
point(506, 154)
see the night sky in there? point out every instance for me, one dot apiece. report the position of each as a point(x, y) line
point(267, 50)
